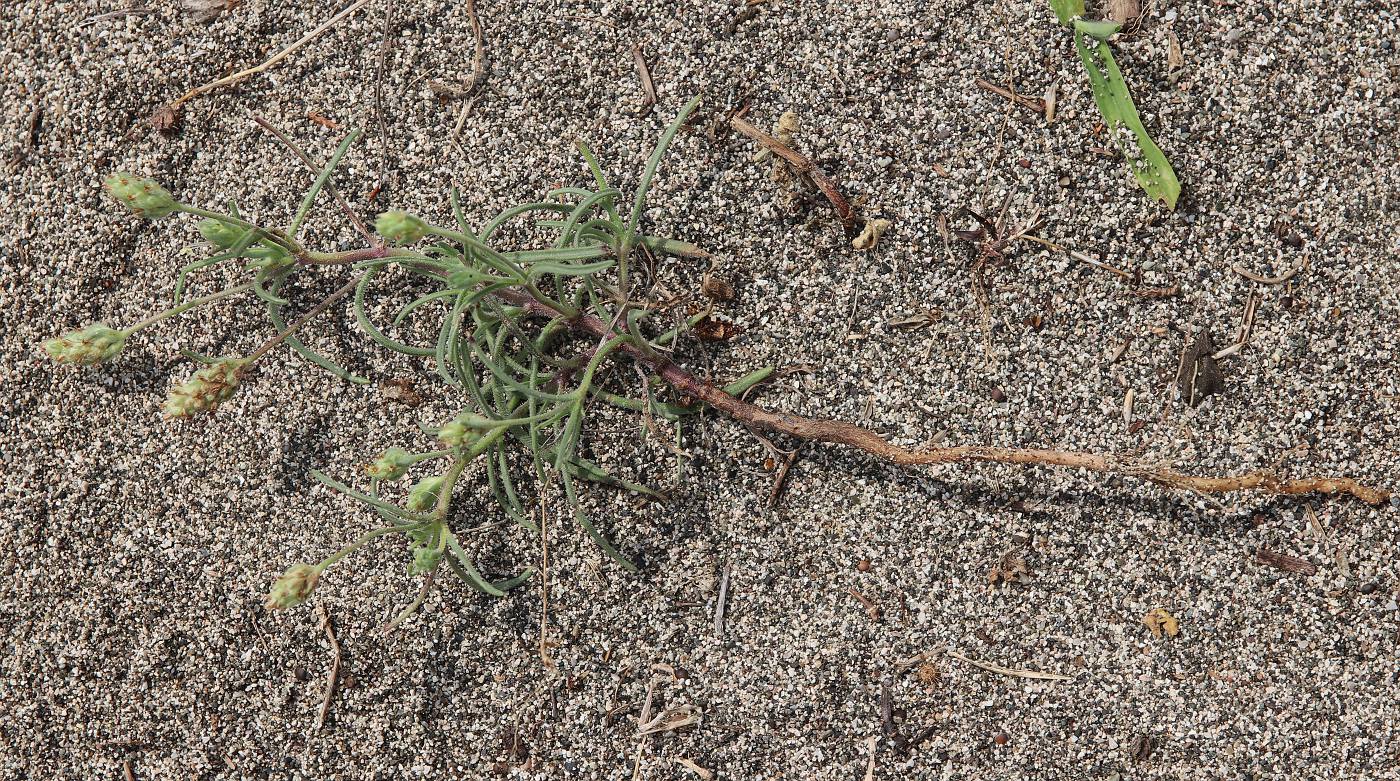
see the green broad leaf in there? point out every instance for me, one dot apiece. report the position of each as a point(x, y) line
point(1147, 162)
point(1066, 10)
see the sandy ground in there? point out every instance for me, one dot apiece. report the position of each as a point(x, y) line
point(137, 552)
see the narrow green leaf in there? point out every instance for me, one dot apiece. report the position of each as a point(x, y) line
point(1067, 10)
point(748, 381)
point(310, 199)
point(1147, 162)
point(362, 317)
point(654, 162)
point(274, 313)
point(515, 582)
point(468, 571)
point(582, 519)
point(380, 504)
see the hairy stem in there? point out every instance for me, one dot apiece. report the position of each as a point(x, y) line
point(191, 304)
point(340, 293)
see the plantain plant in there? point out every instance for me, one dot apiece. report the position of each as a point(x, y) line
point(523, 335)
point(522, 389)
point(1145, 159)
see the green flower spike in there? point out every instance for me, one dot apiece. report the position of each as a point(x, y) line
point(91, 345)
point(207, 389)
point(143, 197)
point(425, 560)
point(220, 233)
point(293, 588)
point(424, 494)
point(398, 227)
point(392, 464)
point(460, 431)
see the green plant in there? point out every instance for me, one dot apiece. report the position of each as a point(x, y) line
point(535, 394)
point(1147, 162)
point(523, 335)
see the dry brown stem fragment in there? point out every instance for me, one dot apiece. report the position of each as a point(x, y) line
point(1285, 562)
point(1035, 105)
point(801, 164)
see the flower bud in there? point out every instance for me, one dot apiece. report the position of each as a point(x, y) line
point(398, 227)
point(220, 233)
point(207, 389)
point(424, 494)
point(143, 197)
point(392, 464)
point(293, 588)
point(425, 559)
point(269, 258)
point(461, 431)
point(91, 345)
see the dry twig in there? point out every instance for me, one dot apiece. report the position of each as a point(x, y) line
point(799, 162)
point(478, 69)
point(315, 169)
point(1011, 671)
point(1279, 280)
point(644, 75)
point(271, 61)
point(1035, 105)
point(334, 674)
point(721, 600)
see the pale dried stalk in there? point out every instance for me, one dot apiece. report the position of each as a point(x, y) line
point(271, 61)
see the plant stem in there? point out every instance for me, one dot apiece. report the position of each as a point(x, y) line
point(340, 293)
point(851, 435)
point(358, 543)
point(192, 303)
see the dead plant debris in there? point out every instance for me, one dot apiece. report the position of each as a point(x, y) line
point(1285, 562)
point(801, 164)
point(206, 11)
point(402, 391)
point(871, 234)
point(1034, 105)
point(1140, 749)
point(1160, 623)
point(711, 329)
point(716, 288)
point(1198, 375)
point(1011, 569)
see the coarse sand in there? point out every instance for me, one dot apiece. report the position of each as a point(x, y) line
point(136, 551)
